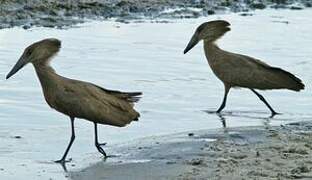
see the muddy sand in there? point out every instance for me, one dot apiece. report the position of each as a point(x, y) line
point(54, 13)
point(283, 152)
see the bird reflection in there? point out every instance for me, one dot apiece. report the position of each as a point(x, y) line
point(222, 119)
point(224, 116)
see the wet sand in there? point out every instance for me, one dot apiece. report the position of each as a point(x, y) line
point(282, 152)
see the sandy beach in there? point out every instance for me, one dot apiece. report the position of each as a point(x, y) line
point(265, 152)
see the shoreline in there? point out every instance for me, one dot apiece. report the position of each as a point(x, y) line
point(60, 14)
point(281, 152)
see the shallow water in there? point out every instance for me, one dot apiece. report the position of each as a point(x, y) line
point(179, 90)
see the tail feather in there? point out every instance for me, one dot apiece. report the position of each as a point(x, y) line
point(131, 97)
point(291, 82)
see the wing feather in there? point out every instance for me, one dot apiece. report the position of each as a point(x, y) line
point(244, 71)
point(85, 100)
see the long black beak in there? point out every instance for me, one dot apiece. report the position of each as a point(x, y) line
point(19, 65)
point(194, 40)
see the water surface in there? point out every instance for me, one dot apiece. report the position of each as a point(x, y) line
point(178, 89)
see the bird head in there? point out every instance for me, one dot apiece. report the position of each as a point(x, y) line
point(209, 31)
point(38, 53)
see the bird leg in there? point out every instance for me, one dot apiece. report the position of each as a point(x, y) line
point(63, 161)
point(97, 144)
point(265, 102)
point(226, 91)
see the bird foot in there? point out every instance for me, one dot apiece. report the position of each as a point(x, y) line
point(63, 161)
point(102, 144)
point(101, 150)
point(274, 114)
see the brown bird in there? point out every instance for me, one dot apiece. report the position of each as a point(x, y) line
point(236, 70)
point(74, 98)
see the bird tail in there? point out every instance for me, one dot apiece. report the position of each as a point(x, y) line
point(132, 97)
point(289, 80)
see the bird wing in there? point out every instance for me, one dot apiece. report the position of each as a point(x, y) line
point(245, 71)
point(131, 97)
point(86, 100)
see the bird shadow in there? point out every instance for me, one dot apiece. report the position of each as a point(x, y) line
point(64, 165)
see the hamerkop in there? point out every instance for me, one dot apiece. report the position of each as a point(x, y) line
point(236, 70)
point(74, 98)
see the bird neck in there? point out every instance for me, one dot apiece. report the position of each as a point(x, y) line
point(46, 75)
point(211, 50)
